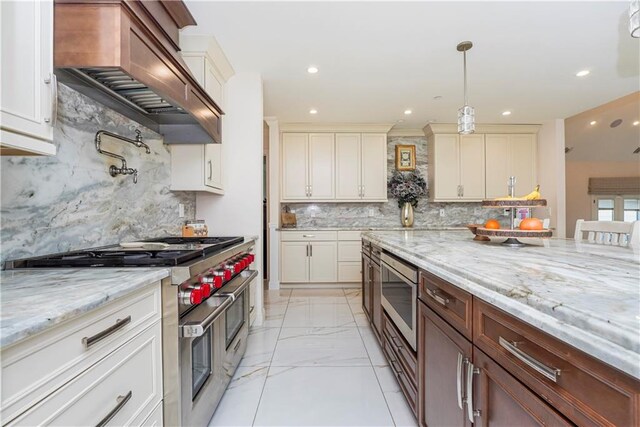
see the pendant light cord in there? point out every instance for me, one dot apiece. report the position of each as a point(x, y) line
point(466, 100)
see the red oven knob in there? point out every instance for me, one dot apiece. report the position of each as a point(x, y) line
point(191, 296)
point(227, 274)
point(237, 267)
point(252, 258)
point(205, 290)
point(244, 262)
point(218, 278)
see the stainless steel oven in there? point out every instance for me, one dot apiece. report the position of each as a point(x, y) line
point(399, 295)
point(212, 342)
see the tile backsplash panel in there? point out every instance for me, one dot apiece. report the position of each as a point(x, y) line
point(388, 214)
point(69, 201)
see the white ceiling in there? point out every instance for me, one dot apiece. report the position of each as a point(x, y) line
point(377, 59)
point(601, 142)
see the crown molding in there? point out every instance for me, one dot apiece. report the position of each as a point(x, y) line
point(336, 127)
point(436, 128)
point(406, 132)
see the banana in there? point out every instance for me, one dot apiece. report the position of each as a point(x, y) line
point(534, 195)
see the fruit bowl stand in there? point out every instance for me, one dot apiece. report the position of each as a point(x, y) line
point(513, 233)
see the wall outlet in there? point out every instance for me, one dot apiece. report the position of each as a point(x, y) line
point(180, 210)
point(441, 212)
point(372, 212)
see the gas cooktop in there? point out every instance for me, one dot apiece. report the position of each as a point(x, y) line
point(164, 251)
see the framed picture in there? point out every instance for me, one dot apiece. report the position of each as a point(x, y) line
point(405, 157)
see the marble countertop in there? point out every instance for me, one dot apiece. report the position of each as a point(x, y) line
point(365, 228)
point(583, 294)
point(34, 300)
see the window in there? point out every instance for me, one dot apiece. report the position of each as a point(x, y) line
point(616, 208)
point(631, 210)
point(605, 209)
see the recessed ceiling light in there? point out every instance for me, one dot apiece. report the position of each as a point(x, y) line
point(313, 111)
point(312, 70)
point(437, 97)
point(636, 123)
point(400, 121)
point(583, 73)
point(407, 112)
point(506, 113)
point(615, 123)
point(592, 122)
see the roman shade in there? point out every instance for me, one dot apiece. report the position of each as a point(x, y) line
point(608, 186)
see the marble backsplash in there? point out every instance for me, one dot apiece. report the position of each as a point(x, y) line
point(388, 214)
point(69, 201)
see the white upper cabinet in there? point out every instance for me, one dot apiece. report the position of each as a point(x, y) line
point(510, 155)
point(348, 158)
point(200, 167)
point(456, 167)
point(361, 166)
point(295, 160)
point(321, 166)
point(469, 168)
point(29, 89)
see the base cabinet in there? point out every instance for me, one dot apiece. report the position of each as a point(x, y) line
point(309, 262)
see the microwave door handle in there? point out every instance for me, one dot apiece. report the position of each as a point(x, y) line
point(400, 275)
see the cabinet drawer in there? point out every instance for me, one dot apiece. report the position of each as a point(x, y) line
point(130, 379)
point(349, 271)
point(353, 236)
point(453, 304)
point(405, 354)
point(406, 385)
point(155, 419)
point(307, 236)
point(585, 390)
point(349, 251)
point(34, 368)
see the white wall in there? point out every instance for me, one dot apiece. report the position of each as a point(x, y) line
point(239, 211)
point(550, 165)
point(274, 202)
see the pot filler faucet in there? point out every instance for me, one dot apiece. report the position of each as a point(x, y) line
point(124, 170)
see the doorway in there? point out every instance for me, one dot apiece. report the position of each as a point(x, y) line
point(265, 205)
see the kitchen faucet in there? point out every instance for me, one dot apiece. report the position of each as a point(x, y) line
point(124, 170)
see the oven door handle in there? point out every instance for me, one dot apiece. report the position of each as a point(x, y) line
point(234, 289)
point(195, 323)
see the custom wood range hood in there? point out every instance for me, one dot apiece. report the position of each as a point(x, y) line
point(125, 54)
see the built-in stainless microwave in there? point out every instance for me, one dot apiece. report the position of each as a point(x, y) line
point(399, 295)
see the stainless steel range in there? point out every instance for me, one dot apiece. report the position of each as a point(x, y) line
point(205, 313)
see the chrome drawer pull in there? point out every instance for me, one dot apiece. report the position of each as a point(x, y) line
point(395, 341)
point(120, 323)
point(440, 300)
point(471, 370)
point(539, 367)
point(121, 401)
point(235, 348)
point(309, 235)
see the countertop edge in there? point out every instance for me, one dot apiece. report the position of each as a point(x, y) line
point(606, 351)
point(148, 279)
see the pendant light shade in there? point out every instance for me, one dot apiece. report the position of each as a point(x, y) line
point(466, 114)
point(634, 18)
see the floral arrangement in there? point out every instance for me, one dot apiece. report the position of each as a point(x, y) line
point(407, 187)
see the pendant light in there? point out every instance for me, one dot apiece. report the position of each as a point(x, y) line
point(634, 18)
point(466, 114)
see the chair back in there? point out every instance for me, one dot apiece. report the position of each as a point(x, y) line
point(617, 233)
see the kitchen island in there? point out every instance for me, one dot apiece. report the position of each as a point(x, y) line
point(512, 318)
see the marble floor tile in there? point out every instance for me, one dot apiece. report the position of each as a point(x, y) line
point(320, 347)
point(352, 292)
point(386, 378)
point(322, 396)
point(361, 319)
point(318, 315)
point(373, 348)
point(274, 315)
point(400, 410)
point(337, 292)
point(317, 300)
point(260, 346)
point(240, 402)
point(276, 296)
point(356, 307)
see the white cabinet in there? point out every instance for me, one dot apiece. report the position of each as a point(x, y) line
point(456, 167)
point(312, 260)
point(510, 155)
point(29, 89)
point(361, 167)
point(308, 165)
point(54, 377)
point(196, 167)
